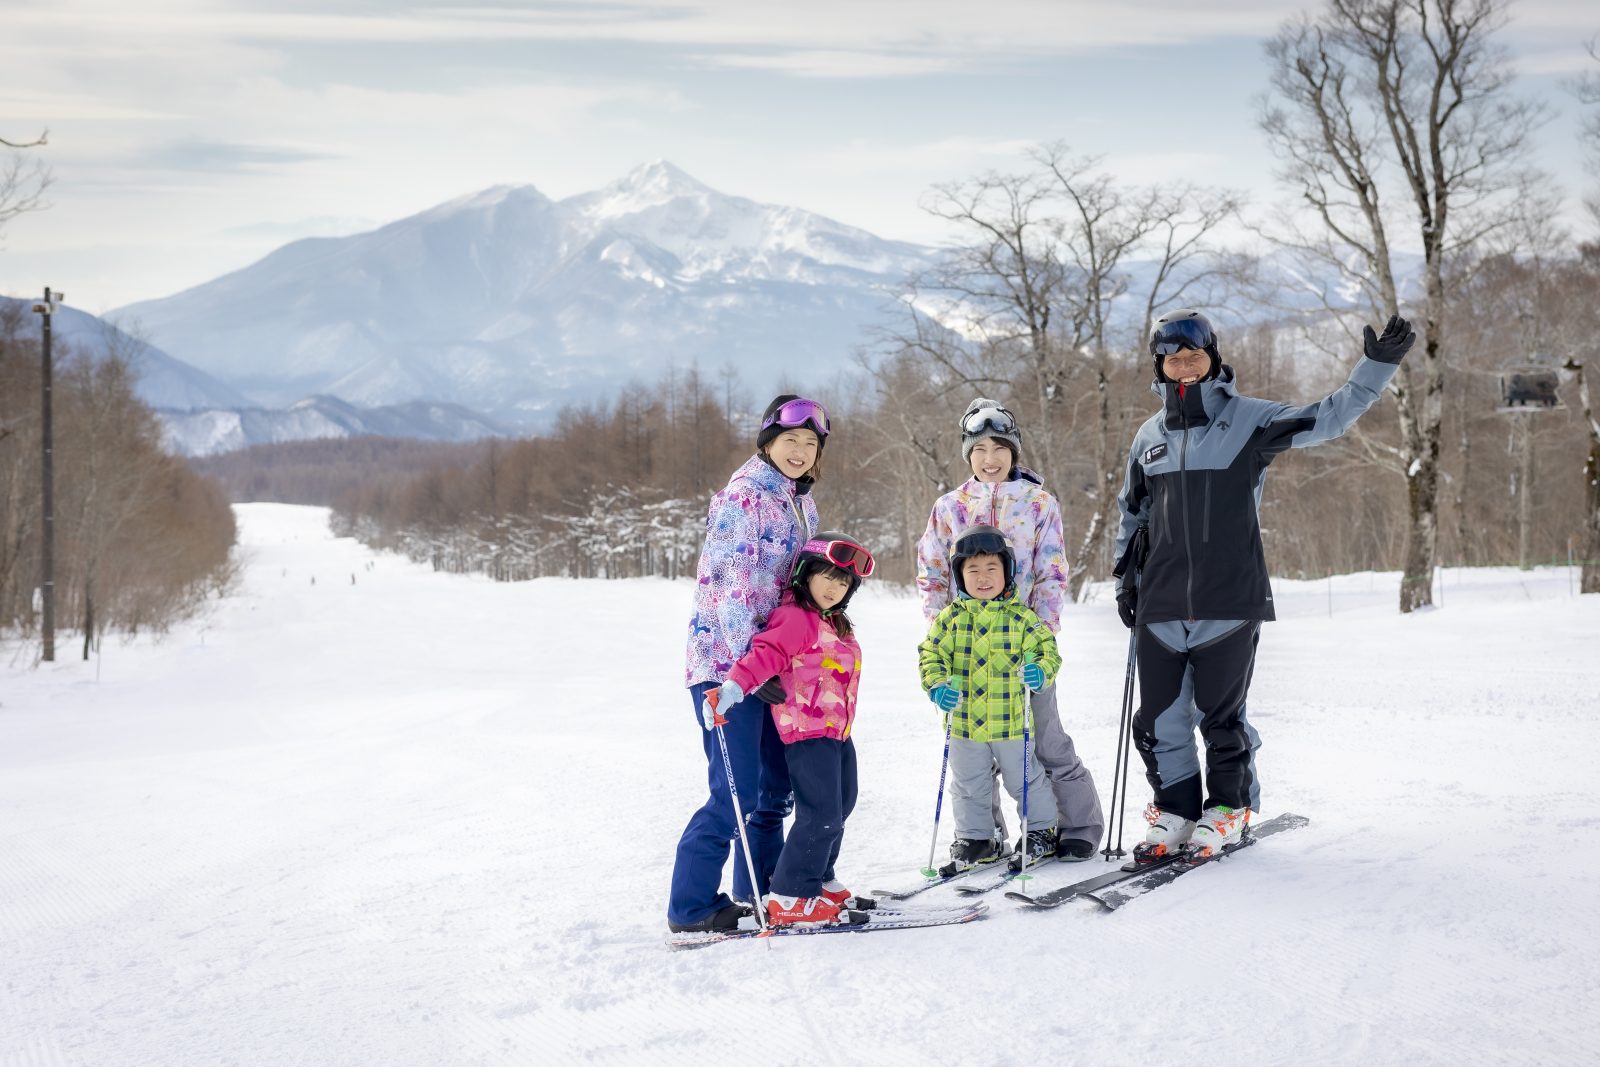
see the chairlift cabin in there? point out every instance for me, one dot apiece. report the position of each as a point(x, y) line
point(1530, 386)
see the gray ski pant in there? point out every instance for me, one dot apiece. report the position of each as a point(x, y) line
point(972, 792)
point(1077, 800)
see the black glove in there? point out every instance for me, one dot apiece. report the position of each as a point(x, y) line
point(1128, 604)
point(1392, 347)
point(772, 692)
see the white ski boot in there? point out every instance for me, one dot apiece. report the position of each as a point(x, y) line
point(1168, 833)
point(1218, 828)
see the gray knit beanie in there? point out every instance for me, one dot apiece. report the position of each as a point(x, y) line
point(988, 418)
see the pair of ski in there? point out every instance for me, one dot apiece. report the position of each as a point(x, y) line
point(1113, 889)
point(999, 875)
point(873, 921)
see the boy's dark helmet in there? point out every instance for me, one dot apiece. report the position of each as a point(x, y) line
point(807, 561)
point(1187, 328)
point(981, 541)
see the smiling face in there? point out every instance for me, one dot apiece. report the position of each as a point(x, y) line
point(991, 460)
point(984, 576)
point(827, 587)
point(1187, 365)
point(794, 452)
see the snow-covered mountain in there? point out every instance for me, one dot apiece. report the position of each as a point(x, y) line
point(511, 303)
point(206, 432)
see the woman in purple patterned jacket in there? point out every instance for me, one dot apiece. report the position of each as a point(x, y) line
point(755, 528)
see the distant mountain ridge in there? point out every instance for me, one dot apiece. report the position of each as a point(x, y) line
point(161, 380)
point(512, 304)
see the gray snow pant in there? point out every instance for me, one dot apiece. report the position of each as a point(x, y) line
point(1077, 800)
point(972, 792)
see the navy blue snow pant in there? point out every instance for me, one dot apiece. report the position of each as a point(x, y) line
point(1213, 661)
point(761, 776)
point(823, 773)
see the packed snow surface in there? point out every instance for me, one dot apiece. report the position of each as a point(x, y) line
point(363, 813)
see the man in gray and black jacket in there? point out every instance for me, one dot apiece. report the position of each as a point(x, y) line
point(1191, 570)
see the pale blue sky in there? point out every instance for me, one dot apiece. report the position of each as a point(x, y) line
point(190, 137)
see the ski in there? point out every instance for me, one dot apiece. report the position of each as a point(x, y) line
point(1116, 896)
point(929, 883)
point(876, 921)
point(1005, 876)
point(1057, 897)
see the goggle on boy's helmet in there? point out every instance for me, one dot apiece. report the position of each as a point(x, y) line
point(981, 541)
point(831, 549)
point(1180, 329)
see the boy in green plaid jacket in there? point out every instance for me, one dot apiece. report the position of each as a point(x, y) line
point(984, 653)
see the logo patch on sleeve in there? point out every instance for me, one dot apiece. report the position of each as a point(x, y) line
point(1153, 453)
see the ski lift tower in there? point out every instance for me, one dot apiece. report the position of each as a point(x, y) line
point(1527, 389)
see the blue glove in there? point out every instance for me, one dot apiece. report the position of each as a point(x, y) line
point(945, 696)
point(725, 697)
point(1033, 677)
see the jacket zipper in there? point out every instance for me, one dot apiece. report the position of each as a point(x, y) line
point(1183, 505)
point(1205, 521)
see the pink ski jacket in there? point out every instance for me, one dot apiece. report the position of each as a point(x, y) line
point(817, 668)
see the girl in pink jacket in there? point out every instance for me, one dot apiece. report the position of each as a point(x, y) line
point(809, 646)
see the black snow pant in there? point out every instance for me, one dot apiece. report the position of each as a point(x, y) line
point(1197, 674)
point(823, 774)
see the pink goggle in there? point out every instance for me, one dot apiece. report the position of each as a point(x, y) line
point(845, 555)
point(799, 412)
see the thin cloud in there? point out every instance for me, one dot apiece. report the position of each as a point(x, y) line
point(222, 157)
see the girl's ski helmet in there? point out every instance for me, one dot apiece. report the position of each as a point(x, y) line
point(830, 549)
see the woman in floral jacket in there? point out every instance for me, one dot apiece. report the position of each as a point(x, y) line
point(754, 529)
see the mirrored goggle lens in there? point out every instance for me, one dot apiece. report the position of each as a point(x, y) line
point(998, 419)
point(798, 413)
point(851, 557)
point(1184, 333)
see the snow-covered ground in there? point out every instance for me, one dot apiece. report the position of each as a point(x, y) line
point(367, 814)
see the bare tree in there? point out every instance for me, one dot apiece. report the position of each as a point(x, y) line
point(1033, 305)
point(22, 180)
point(1418, 90)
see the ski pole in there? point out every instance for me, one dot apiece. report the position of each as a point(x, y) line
point(1027, 719)
point(930, 871)
point(1119, 780)
point(738, 813)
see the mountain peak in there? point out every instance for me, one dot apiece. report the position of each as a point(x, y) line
point(659, 176)
point(644, 187)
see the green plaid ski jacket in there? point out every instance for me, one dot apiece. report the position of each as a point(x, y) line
point(979, 646)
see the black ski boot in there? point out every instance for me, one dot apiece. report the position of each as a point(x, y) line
point(1038, 843)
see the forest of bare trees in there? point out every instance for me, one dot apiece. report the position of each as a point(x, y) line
point(139, 537)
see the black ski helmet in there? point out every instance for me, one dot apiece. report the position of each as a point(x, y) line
point(813, 555)
point(1183, 328)
point(981, 541)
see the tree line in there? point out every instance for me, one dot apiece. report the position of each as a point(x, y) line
point(140, 538)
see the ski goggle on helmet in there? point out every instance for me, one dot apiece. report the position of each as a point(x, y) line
point(1179, 330)
point(799, 412)
point(842, 553)
point(997, 419)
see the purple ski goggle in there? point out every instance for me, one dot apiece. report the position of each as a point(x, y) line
point(845, 555)
point(800, 412)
